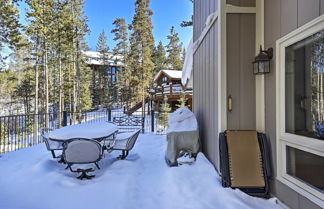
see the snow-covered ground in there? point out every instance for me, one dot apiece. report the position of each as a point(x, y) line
point(31, 179)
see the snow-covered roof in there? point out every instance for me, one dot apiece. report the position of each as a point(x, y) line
point(176, 74)
point(94, 58)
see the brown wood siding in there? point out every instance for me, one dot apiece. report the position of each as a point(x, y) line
point(282, 17)
point(205, 79)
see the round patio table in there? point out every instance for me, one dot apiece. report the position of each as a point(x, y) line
point(94, 130)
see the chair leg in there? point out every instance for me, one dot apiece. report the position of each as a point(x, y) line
point(53, 154)
point(61, 160)
point(97, 165)
point(123, 155)
point(84, 174)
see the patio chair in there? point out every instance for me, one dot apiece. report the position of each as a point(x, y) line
point(125, 142)
point(82, 151)
point(51, 145)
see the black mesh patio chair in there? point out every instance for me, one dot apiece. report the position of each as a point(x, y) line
point(51, 145)
point(125, 142)
point(82, 151)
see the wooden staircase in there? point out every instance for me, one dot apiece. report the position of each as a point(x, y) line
point(136, 107)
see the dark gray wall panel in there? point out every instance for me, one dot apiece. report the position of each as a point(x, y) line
point(305, 203)
point(205, 93)
point(322, 7)
point(233, 70)
point(205, 79)
point(247, 84)
point(288, 13)
point(272, 21)
point(202, 9)
point(307, 11)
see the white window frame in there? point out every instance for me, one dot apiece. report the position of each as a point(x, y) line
point(284, 139)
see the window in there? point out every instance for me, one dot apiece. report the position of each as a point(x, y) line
point(165, 80)
point(300, 110)
point(304, 86)
point(303, 165)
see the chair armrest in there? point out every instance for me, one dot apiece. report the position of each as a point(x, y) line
point(45, 130)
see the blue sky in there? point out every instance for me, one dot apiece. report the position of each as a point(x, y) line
point(102, 13)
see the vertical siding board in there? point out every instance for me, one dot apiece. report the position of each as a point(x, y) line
point(288, 16)
point(232, 36)
point(194, 20)
point(321, 7)
point(272, 21)
point(307, 10)
point(247, 79)
point(207, 91)
point(215, 89)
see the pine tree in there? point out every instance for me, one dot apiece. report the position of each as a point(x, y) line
point(174, 48)
point(187, 23)
point(102, 46)
point(122, 48)
point(9, 27)
point(159, 58)
point(165, 111)
point(182, 99)
point(105, 86)
point(40, 17)
point(141, 47)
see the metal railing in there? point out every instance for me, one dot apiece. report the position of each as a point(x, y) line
point(20, 131)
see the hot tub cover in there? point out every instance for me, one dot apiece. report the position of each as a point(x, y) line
point(182, 134)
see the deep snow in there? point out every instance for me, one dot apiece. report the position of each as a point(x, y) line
point(31, 179)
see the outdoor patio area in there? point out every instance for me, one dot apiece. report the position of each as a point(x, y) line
point(31, 179)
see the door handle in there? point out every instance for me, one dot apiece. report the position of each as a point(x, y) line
point(229, 103)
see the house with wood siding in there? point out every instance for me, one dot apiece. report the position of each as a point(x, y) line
point(168, 83)
point(285, 103)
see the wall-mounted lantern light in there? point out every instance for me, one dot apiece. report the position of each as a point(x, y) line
point(261, 64)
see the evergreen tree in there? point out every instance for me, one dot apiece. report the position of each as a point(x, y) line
point(165, 112)
point(40, 17)
point(182, 99)
point(105, 85)
point(159, 58)
point(102, 45)
point(9, 27)
point(141, 47)
point(122, 48)
point(174, 49)
point(187, 23)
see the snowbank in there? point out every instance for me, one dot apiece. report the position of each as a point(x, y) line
point(31, 179)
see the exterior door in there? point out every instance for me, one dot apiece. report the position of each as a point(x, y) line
point(241, 103)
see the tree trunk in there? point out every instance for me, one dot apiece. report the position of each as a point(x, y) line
point(60, 91)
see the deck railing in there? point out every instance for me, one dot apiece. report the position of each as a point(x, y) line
point(20, 131)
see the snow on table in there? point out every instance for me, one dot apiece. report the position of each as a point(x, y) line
point(84, 130)
point(31, 179)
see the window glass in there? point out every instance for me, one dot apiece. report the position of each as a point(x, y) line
point(304, 87)
point(306, 166)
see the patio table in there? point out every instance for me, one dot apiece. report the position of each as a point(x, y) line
point(96, 130)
